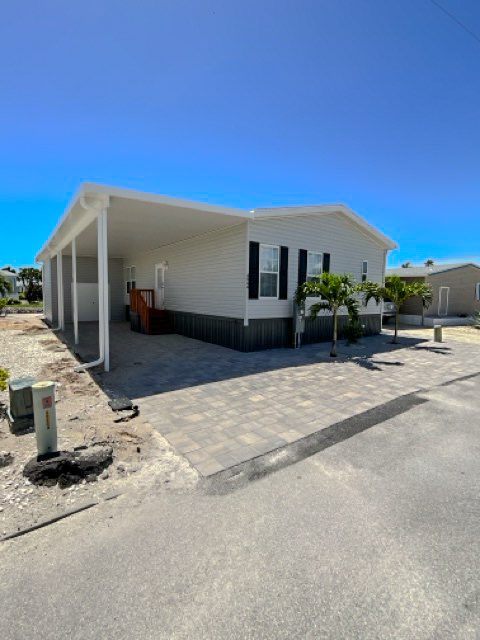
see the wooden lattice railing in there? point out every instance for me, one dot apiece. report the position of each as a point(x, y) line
point(141, 302)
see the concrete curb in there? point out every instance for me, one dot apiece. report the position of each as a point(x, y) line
point(47, 521)
point(60, 516)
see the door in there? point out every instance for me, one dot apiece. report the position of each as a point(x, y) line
point(443, 293)
point(160, 269)
point(87, 296)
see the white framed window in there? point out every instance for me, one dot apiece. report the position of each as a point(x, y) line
point(364, 270)
point(269, 271)
point(477, 291)
point(130, 278)
point(314, 265)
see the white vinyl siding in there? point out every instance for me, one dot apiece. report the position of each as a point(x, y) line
point(204, 275)
point(347, 244)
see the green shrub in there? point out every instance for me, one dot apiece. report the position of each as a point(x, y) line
point(3, 379)
point(353, 331)
point(12, 301)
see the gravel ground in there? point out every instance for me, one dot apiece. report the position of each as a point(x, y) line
point(142, 458)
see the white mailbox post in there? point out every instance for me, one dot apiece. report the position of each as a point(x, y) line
point(45, 417)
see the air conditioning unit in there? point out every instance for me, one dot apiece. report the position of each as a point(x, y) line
point(21, 404)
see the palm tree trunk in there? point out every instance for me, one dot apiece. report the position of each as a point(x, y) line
point(395, 337)
point(333, 352)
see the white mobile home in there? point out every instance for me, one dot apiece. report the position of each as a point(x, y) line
point(214, 273)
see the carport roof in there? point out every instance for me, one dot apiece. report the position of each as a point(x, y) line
point(134, 216)
point(133, 221)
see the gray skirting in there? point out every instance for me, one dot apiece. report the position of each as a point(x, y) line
point(227, 332)
point(268, 333)
point(320, 329)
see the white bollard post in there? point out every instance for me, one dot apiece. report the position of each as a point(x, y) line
point(45, 417)
point(437, 333)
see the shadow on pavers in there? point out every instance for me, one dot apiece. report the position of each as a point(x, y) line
point(442, 351)
point(240, 475)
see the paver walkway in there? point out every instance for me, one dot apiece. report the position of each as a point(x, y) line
point(220, 407)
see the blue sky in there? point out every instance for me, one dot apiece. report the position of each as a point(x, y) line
point(374, 103)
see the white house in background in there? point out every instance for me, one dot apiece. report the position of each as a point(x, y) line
point(226, 276)
point(15, 284)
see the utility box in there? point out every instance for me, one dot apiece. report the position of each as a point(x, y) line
point(298, 324)
point(21, 403)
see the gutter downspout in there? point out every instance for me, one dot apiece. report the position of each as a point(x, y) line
point(105, 291)
point(100, 205)
point(74, 291)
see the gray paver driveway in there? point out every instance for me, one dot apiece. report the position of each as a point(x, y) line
point(220, 407)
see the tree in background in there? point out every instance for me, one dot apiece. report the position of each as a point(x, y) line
point(335, 291)
point(429, 263)
point(32, 282)
point(397, 291)
point(5, 286)
point(406, 265)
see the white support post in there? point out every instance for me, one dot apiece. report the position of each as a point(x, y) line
point(105, 290)
point(74, 291)
point(60, 305)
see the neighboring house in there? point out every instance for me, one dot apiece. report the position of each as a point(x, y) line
point(13, 279)
point(214, 273)
point(455, 289)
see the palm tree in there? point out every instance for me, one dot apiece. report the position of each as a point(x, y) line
point(5, 286)
point(429, 263)
point(406, 265)
point(397, 291)
point(336, 291)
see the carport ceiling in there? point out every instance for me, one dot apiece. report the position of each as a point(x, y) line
point(136, 227)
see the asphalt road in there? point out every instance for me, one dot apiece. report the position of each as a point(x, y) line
point(375, 536)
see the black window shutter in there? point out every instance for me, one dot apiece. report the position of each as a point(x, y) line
point(302, 266)
point(283, 286)
point(254, 263)
point(326, 263)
